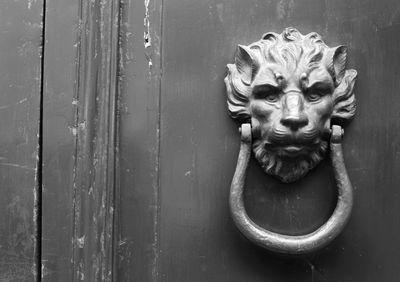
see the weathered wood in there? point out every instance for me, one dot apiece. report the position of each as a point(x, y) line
point(141, 71)
point(20, 80)
point(59, 119)
point(96, 147)
point(91, 149)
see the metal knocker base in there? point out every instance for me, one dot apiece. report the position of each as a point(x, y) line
point(286, 244)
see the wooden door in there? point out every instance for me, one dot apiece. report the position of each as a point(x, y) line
point(139, 151)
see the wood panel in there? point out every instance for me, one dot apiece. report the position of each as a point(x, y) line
point(80, 141)
point(59, 139)
point(139, 140)
point(20, 80)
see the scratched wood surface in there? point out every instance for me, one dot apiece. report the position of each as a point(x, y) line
point(80, 145)
point(20, 80)
point(174, 190)
point(139, 141)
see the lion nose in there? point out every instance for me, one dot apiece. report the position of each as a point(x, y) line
point(293, 115)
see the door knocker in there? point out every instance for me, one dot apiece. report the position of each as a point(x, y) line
point(292, 95)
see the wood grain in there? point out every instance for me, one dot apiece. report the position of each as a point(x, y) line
point(86, 168)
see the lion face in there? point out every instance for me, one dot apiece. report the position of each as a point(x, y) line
point(290, 87)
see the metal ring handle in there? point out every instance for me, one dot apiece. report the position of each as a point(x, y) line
point(286, 244)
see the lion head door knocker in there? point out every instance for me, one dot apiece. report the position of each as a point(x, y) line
point(292, 94)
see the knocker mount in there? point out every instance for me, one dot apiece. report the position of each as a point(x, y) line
point(292, 94)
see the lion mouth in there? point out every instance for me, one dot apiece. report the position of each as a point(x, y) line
point(290, 150)
point(293, 149)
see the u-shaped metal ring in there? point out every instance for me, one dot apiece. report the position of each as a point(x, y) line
point(286, 244)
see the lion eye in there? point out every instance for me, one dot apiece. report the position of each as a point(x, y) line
point(270, 94)
point(316, 92)
point(313, 97)
point(272, 98)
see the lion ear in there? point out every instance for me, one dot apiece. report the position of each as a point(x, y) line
point(246, 64)
point(343, 98)
point(337, 62)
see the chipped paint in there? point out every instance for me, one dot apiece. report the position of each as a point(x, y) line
point(147, 35)
point(73, 130)
point(146, 22)
point(81, 241)
point(30, 3)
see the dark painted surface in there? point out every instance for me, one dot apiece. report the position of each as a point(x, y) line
point(59, 109)
point(20, 77)
point(192, 237)
point(96, 149)
point(80, 149)
point(139, 145)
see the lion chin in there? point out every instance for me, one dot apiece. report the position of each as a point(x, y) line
point(288, 170)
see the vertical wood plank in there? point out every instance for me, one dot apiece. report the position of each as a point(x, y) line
point(59, 138)
point(96, 147)
point(20, 80)
point(95, 163)
point(88, 111)
point(140, 75)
